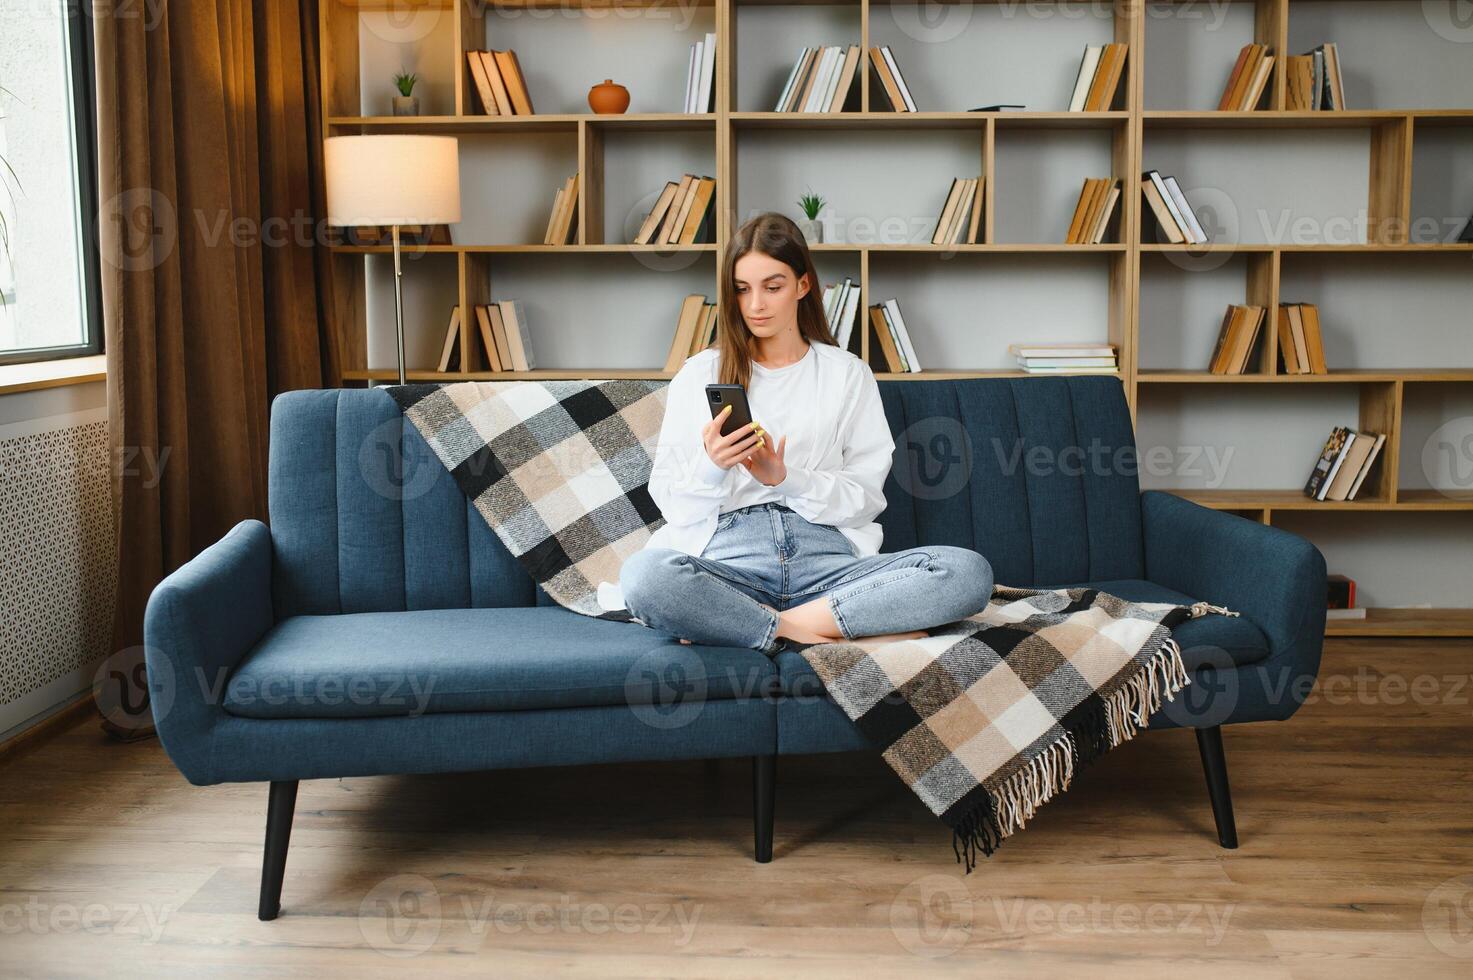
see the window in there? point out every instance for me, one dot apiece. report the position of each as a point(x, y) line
point(49, 302)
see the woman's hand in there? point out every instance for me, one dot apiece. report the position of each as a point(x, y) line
point(728, 450)
point(766, 462)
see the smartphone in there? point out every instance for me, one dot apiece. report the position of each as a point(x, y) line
point(720, 396)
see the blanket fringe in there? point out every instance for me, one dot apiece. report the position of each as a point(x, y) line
point(1004, 811)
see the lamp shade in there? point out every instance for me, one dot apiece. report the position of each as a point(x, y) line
point(392, 179)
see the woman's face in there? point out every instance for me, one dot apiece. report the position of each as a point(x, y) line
point(767, 292)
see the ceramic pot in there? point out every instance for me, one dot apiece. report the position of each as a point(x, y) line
point(812, 229)
point(406, 105)
point(608, 98)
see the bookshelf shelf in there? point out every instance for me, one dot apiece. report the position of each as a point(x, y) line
point(1381, 168)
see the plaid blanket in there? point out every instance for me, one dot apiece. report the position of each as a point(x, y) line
point(985, 719)
point(559, 470)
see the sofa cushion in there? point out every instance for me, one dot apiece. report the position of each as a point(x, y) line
point(508, 659)
point(1212, 639)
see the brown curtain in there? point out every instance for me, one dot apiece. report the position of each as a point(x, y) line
point(209, 138)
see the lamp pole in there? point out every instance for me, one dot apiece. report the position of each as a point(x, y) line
point(399, 303)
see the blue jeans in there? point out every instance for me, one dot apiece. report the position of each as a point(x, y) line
point(767, 554)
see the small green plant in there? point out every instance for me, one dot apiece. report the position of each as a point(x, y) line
point(811, 204)
point(404, 81)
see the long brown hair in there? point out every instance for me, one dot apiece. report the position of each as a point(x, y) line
point(776, 235)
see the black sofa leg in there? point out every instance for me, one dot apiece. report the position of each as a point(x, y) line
point(764, 792)
point(278, 834)
point(1214, 765)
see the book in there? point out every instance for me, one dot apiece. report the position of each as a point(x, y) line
point(518, 340)
point(1100, 69)
point(1235, 78)
point(1365, 469)
point(1351, 614)
point(1184, 208)
point(1357, 451)
point(657, 213)
point(1257, 84)
point(1313, 342)
point(669, 224)
point(498, 336)
point(1249, 77)
point(1105, 213)
point(1236, 339)
point(1339, 592)
point(793, 74)
point(1299, 82)
point(1162, 213)
point(1291, 362)
point(692, 76)
point(560, 225)
point(897, 322)
point(1062, 350)
point(1092, 213)
point(1328, 462)
point(847, 335)
point(885, 340)
point(705, 90)
point(516, 85)
point(793, 95)
point(450, 349)
point(703, 191)
point(1167, 198)
point(1063, 362)
point(889, 56)
point(692, 315)
point(844, 79)
point(482, 83)
point(1087, 66)
point(499, 93)
point(1300, 339)
point(1106, 78)
point(488, 338)
point(1000, 107)
point(888, 86)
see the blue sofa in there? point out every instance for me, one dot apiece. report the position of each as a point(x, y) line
point(379, 626)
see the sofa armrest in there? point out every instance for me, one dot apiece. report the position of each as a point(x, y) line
point(1274, 578)
point(199, 624)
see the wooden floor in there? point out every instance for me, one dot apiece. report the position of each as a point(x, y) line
point(1356, 861)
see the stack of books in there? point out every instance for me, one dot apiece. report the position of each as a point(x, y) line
point(561, 222)
point(892, 83)
point(841, 308)
point(683, 213)
point(1173, 213)
point(1343, 464)
point(1313, 80)
point(1065, 358)
point(820, 79)
point(700, 86)
point(1248, 80)
point(499, 83)
point(1099, 77)
point(1300, 343)
point(893, 337)
point(1092, 214)
point(1340, 598)
point(504, 337)
point(1236, 339)
point(694, 331)
point(960, 220)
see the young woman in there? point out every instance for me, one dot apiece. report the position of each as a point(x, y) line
point(770, 530)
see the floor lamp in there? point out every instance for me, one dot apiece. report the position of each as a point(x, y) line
point(392, 180)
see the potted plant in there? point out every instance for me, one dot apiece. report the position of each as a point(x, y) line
point(405, 103)
point(809, 224)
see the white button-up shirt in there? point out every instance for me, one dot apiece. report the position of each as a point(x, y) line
point(838, 452)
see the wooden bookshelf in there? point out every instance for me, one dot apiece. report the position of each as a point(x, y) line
point(611, 154)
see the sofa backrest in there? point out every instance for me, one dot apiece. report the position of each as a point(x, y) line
point(1038, 474)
